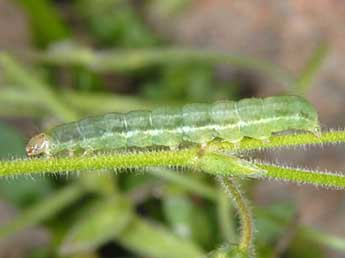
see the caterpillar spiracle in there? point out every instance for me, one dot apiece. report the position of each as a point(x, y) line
point(173, 126)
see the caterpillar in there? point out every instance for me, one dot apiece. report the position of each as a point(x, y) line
point(173, 126)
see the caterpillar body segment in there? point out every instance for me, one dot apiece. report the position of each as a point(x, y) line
point(172, 126)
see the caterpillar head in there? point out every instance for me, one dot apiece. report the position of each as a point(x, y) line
point(37, 145)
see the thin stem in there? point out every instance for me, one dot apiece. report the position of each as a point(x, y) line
point(303, 176)
point(247, 226)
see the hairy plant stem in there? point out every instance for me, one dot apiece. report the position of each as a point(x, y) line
point(244, 212)
point(187, 158)
point(302, 176)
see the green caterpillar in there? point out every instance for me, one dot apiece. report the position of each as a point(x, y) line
point(171, 126)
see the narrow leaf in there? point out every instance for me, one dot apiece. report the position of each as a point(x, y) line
point(103, 221)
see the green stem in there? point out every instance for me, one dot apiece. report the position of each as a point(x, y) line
point(302, 176)
point(175, 158)
point(247, 225)
point(114, 161)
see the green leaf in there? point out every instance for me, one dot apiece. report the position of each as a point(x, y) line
point(228, 252)
point(167, 9)
point(272, 222)
point(153, 240)
point(187, 218)
point(47, 25)
point(25, 191)
point(319, 237)
point(24, 78)
point(304, 248)
point(115, 23)
point(101, 183)
point(11, 142)
point(103, 222)
point(43, 210)
point(183, 82)
point(304, 81)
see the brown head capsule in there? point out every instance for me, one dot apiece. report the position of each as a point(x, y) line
point(37, 145)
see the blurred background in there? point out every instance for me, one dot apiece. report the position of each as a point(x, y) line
point(63, 60)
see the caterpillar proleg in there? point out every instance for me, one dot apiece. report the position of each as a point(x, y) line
point(172, 126)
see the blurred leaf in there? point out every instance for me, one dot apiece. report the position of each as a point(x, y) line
point(188, 219)
point(102, 183)
point(152, 240)
point(273, 221)
point(114, 22)
point(168, 8)
point(19, 103)
point(25, 191)
point(304, 81)
point(104, 221)
point(22, 77)
point(189, 82)
point(331, 241)
point(86, 80)
point(39, 253)
point(93, 103)
point(304, 248)
point(43, 210)
point(11, 142)
point(129, 60)
point(228, 252)
point(185, 82)
point(131, 182)
point(47, 25)
point(195, 184)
